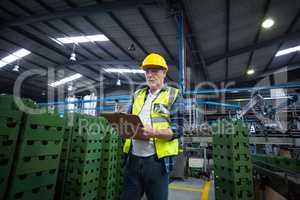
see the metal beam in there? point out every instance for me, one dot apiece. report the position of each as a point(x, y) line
point(18, 4)
point(60, 52)
point(47, 45)
point(109, 82)
point(43, 33)
point(9, 80)
point(256, 38)
point(289, 29)
point(118, 22)
point(106, 6)
point(27, 60)
point(22, 7)
point(97, 27)
point(100, 62)
point(162, 43)
point(293, 57)
point(279, 69)
point(73, 5)
point(12, 42)
point(97, 44)
point(81, 46)
point(227, 36)
point(40, 41)
point(26, 92)
point(193, 45)
point(252, 47)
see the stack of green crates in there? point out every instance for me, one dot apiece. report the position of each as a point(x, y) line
point(65, 152)
point(10, 121)
point(108, 175)
point(232, 163)
point(120, 169)
point(36, 166)
point(84, 159)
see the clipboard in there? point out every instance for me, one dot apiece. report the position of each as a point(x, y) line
point(127, 125)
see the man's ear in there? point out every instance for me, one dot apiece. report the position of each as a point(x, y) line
point(165, 73)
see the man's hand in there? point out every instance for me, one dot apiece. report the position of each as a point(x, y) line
point(149, 132)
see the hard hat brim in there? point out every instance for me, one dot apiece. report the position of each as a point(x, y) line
point(154, 67)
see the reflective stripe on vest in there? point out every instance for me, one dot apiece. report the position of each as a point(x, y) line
point(160, 120)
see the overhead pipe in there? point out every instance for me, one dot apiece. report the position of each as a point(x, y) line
point(181, 53)
point(109, 99)
point(243, 89)
point(112, 99)
point(212, 103)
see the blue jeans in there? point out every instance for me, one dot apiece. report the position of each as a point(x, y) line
point(145, 174)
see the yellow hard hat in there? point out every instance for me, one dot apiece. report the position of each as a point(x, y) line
point(154, 60)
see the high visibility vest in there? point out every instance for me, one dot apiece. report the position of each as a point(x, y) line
point(160, 119)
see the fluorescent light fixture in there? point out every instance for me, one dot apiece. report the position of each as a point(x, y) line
point(13, 57)
point(65, 80)
point(21, 53)
point(250, 71)
point(123, 70)
point(2, 64)
point(55, 40)
point(287, 51)
point(81, 39)
point(268, 23)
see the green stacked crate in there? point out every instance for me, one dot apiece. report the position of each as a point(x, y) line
point(108, 175)
point(10, 121)
point(37, 158)
point(84, 159)
point(232, 163)
point(120, 169)
point(63, 165)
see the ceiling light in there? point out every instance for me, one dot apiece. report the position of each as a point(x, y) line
point(16, 68)
point(70, 88)
point(268, 23)
point(287, 51)
point(118, 70)
point(250, 71)
point(65, 80)
point(118, 82)
point(73, 57)
point(81, 39)
point(13, 57)
point(73, 54)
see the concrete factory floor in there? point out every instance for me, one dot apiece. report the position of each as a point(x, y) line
point(191, 189)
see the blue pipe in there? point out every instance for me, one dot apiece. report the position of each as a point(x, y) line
point(212, 103)
point(109, 108)
point(87, 101)
point(198, 102)
point(181, 53)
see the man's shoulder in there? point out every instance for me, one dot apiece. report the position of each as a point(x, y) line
point(140, 90)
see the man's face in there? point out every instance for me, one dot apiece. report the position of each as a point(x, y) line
point(155, 77)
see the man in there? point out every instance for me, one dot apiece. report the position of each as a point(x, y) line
point(149, 161)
